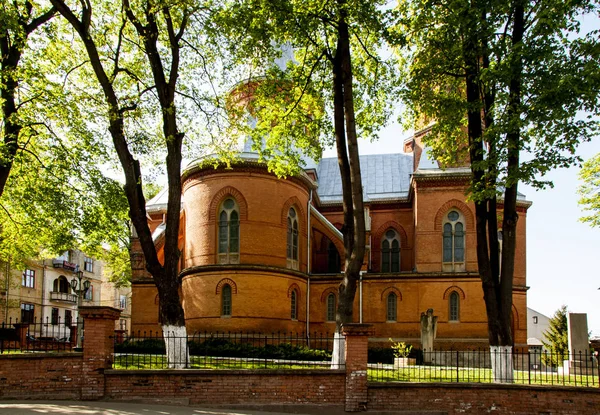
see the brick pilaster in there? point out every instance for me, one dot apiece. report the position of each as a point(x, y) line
point(357, 338)
point(98, 346)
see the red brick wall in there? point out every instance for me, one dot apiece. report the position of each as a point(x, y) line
point(217, 387)
point(41, 376)
point(479, 399)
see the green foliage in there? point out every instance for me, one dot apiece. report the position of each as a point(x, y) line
point(401, 349)
point(226, 348)
point(589, 190)
point(560, 78)
point(286, 50)
point(557, 340)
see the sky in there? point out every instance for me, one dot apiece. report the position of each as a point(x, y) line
point(563, 254)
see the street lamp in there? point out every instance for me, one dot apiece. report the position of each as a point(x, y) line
point(75, 283)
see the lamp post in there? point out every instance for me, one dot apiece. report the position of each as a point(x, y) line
point(80, 290)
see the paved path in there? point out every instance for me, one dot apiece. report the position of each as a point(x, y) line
point(112, 408)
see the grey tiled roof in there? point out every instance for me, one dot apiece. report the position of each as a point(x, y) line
point(384, 176)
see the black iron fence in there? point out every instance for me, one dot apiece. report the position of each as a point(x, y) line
point(481, 366)
point(226, 350)
point(35, 336)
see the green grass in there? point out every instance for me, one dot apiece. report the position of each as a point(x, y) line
point(452, 374)
point(141, 361)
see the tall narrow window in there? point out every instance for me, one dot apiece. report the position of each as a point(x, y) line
point(292, 239)
point(392, 302)
point(28, 278)
point(89, 294)
point(390, 252)
point(229, 233)
point(226, 300)
point(454, 242)
point(294, 305)
point(68, 318)
point(454, 306)
point(88, 264)
point(27, 312)
point(54, 320)
point(331, 307)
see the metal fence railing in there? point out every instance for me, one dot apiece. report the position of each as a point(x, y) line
point(225, 350)
point(532, 368)
point(38, 336)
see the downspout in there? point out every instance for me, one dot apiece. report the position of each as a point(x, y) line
point(308, 269)
point(43, 288)
point(360, 297)
point(7, 288)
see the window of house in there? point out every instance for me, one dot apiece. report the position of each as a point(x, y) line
point(330, 307)
point(229, 233)
point(294, 305)
point(27, 313)
point(454, 242)
point(89, 294)
point(390, 252)
point(392, 303)
point(535, 320)
point(61, 285)
point(88, 264)
point(454, 306)
point(68, 317)
point(54, 316)
point(333, 259)
point(122, 302)
point(226, 301)
point(28, 278)
point(292, 239)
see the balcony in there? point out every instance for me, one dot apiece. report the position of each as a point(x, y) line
point(63, 297)
point(59, 263)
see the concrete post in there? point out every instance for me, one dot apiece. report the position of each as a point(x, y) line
point(357, 341)
point(98, 346)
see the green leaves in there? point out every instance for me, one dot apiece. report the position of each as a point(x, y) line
point(589, 190)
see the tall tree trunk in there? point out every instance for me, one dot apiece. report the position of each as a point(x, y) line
point(349, 163)
point(165, 275)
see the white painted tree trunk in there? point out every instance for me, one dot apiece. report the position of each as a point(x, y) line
point(502, 364)
point(338, 356)
point(176, 346)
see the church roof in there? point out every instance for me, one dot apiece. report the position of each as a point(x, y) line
point(384, 176)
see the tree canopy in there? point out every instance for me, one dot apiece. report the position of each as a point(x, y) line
point(589, 190)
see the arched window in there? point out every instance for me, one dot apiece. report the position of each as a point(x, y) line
point(330, 307)
point(294, 305)
point(61, 285)
point(333, 259)
point(390, 252)
point(454, 242)
point(292, 239)
point(454, 307)
point(392, 303)
point(229, 233)
point(226, 301)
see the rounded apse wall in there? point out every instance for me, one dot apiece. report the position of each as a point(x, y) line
point(259, 201)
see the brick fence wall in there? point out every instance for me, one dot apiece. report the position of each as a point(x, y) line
point(41, 376)
point(218, 387)
point(498, 399)
point(88, 376)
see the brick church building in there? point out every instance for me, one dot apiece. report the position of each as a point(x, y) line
point(261, 253)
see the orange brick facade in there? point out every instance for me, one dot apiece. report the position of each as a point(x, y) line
point(261, 281)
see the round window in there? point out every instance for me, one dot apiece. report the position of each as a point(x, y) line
point(453, 216)
point(228, 204)
point(390, 234)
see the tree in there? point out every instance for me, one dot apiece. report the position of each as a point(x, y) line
point(589, 190)
point(515, 74)
point(339, 73)
point(134, 53)
point(19, 21)
point(557, 339)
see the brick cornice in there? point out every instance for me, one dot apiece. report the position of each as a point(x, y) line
point(240, 267)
